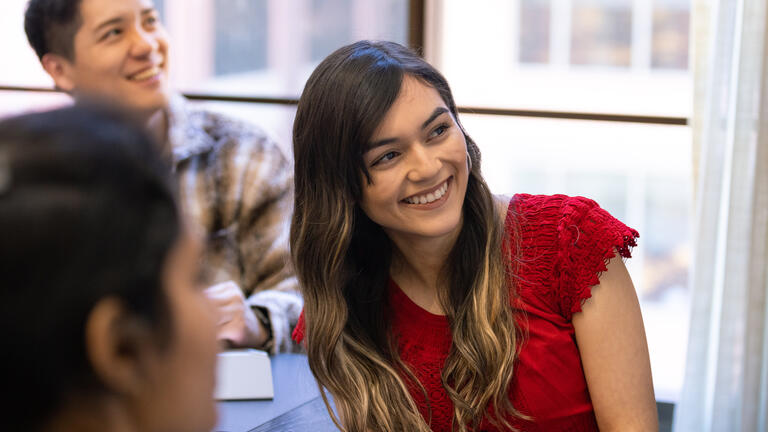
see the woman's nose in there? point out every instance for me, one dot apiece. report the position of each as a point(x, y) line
point(423, 163)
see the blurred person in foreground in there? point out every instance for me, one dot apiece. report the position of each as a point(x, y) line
point(234, 182)
point(431, 304)
point(106, 328)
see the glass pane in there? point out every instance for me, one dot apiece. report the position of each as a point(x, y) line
point(269, 47)
point(604, 56)
point(671, 20)
point(240, 36)
point(534, 30)
point(329, 26)
point(617, 165)
point(601, 32)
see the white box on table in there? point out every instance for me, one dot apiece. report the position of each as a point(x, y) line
point(243, 374)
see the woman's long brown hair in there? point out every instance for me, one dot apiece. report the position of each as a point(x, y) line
point(343, 259)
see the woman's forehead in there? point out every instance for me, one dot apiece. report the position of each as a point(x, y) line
point(415, 103)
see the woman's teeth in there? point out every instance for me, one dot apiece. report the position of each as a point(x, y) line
point(430, 197)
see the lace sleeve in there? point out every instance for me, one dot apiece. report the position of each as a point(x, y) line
point(588, 238)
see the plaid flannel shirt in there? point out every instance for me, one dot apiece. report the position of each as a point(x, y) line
point(236, 188)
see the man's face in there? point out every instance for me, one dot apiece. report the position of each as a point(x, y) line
point(121, 54)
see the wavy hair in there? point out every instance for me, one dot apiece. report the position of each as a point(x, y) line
point(343, 259)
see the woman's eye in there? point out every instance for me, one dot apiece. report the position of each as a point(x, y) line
point(440, 130)
point(386, 157)
point(151, 21)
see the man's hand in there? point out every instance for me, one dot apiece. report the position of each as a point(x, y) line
point(238, 325)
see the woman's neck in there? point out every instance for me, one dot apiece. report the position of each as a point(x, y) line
point(417, 264)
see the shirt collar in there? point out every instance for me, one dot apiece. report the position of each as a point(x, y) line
point(186, 130)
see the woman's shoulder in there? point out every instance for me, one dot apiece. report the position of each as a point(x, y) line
point(539, 213)
point(558, 206)
point(564, 242)
point(563, 223)
point(569, 216)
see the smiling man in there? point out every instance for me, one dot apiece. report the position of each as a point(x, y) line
point(235, 184)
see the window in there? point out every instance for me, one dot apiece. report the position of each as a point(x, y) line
point(601, 33)
point(594, 56)
point(589, 56)
point(269, 47)
point(240, 36)
point(534, 31)
point(671, 23)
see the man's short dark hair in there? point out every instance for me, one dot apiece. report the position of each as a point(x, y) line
point(51, 26)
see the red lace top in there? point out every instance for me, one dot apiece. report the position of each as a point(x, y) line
point(564, 243)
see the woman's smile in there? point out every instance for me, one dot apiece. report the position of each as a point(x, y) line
point(431, 198)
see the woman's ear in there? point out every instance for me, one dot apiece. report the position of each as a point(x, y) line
point(119, 347)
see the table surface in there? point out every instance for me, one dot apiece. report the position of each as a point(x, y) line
point(297, 405)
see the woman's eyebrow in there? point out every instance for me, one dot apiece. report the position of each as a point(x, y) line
point(435, 114)
point(372, 145)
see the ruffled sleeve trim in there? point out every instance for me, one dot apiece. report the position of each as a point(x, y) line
point(588, 237)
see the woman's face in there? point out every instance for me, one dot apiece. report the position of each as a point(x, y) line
point(417, 160)
point(180, 394)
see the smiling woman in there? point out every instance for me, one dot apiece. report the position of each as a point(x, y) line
point(431, 304)
point(419, 151)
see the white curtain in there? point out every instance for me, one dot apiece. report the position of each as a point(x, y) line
point(726, 379)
